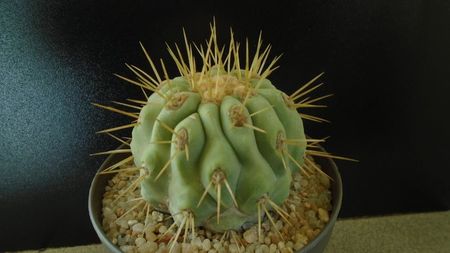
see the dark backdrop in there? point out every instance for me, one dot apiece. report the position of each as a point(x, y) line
point(387, 62)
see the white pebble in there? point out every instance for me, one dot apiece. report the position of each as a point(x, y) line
point(206, 244)
point(138, 228)
point(250, 236)
point(139, 241)
point(132, 222)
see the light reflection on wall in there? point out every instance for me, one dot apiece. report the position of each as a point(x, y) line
point(44, 117)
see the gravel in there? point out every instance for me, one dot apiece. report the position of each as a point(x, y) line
point(134, 227)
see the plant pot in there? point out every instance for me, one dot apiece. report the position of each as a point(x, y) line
point(317, 245)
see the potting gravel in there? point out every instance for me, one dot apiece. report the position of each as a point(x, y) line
point(133, 227)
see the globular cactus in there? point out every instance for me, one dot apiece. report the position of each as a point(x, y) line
point(223, 136)
point(218, 145)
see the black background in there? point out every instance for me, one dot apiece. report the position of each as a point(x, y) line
point(387, 62)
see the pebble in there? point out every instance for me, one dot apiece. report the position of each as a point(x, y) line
point(187, 248)
point(176, 248)
point(279, 224)
point(197, 242)
point(157, 216)
point(251, 248)
point(162, 248)
point(267, 240)
point(132, 222)
point(325, 181)
point(148, 247)
point(262, 249)
point(274, 238)
point(128, 249)
point(310, 233)
point(162, 229)
point(286, 250)
point(272, 248)
point(121, 240)
point(290, 244)
point(140, 241)
point(251, 235)
point(217, 245)
point(206, 244)
point(150, 227)
point(323, 215)
point(233, 248)
point(150, 236)
point(304, 182)
point(107, 212)
point(298, 245)
point(300, 238)
point(138, 228)
point(122, 223)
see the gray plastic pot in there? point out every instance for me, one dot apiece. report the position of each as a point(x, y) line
point(315, 246)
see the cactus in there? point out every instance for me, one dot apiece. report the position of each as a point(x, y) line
point(216, 147)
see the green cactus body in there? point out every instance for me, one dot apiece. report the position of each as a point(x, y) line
point(214, 145)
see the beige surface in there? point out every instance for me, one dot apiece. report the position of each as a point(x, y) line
point(427, 232)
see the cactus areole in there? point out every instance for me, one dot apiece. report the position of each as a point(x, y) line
point(217, 145)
